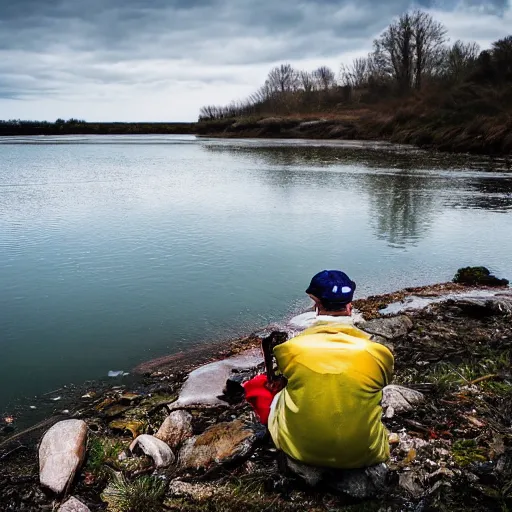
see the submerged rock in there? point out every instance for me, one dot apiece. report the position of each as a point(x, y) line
point(161, 454)
point(222, 443)
point(176, 428)
point(61, 453)
point(399, 399)
point(73, 505)
point(205, 385)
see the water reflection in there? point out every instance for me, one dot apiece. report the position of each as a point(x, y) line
point(399, 197)
point(361, 153)
point(402, 206)
point(487, 194)
point(405, 186)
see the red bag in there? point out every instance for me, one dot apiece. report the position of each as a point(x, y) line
point(260, 398)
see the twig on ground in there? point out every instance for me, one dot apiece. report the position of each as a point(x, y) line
point(483, 379)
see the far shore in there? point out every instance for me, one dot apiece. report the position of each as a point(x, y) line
point(362, 124)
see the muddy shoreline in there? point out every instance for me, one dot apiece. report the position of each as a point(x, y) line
point(456, 353)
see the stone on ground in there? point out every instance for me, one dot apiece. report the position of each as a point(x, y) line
point(356, 483)
point(411, 482)
point(61, 453)
point(198, 491)
point(310, 474)
point(482, 307)
point(206, 384)
point(176, 428)
point(222, 443)
point(399, 399)
point(359, 483)
point(388, 328)
point(161, 454)
point(73, 505)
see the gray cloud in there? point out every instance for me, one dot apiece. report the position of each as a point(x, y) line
point(58, 48)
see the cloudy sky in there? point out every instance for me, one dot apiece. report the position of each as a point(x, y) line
point(161, 60)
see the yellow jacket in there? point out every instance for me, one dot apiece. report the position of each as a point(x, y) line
point(329, 414)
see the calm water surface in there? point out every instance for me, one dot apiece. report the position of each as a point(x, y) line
point(116, 250)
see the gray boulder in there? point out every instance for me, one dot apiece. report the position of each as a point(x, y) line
point(399, 399)
point(222, 443)
point(176, 428)
point(389, 328)
point(357, 483)
point(161, 454)
point(206, 384)
point(61, 453)
point(73, 505)
point(312, 475)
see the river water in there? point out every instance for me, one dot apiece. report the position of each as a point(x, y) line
point(115, 250)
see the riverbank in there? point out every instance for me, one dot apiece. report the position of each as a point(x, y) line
point(483, 135)
point(451, 450)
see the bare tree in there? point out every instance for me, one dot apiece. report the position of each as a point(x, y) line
point(459, 59)
point(356, 74)
point(429, 37)
point(283, 78)
point(394, 51)
point(502, 57)
point(307, 81)
point(409, 48)
point(324, 77)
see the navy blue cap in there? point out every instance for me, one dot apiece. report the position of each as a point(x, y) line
point(332, 286)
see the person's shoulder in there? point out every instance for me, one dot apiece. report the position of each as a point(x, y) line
point(310, 318)
point(304, 320)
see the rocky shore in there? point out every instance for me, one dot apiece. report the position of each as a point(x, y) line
point(181, 438)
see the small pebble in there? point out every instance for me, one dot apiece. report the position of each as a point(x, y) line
point(394, 438)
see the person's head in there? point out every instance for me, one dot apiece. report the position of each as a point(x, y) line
point(332, 291)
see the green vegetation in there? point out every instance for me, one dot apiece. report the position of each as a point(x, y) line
point(143, 494)
point(412, 88)
point(102, 452)
point(467, 451)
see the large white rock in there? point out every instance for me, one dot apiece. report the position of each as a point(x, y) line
point(176, 428)
point(73, 505)
point(160, 453)
point(205, 384)
point(61, 453)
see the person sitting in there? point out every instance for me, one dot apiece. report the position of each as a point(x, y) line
point(323, 404)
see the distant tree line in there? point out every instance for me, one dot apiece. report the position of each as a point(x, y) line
point(78, 127)
point(410, 55)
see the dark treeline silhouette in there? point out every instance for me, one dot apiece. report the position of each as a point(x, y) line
point(77, 127)
point(411, 57)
